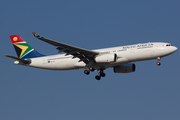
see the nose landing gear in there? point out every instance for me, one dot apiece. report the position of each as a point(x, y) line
point(158, 63)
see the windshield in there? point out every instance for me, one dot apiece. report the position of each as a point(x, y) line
point(168, 45)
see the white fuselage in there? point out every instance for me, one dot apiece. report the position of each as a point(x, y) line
point(125, 54)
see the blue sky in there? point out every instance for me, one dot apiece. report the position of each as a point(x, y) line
point(151, 92)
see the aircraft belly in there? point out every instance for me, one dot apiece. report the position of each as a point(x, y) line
point(66, 64)
point(53, 64)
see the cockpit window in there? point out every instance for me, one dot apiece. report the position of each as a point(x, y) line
point(168, 45)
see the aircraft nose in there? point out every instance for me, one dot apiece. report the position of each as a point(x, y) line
point(174, 49)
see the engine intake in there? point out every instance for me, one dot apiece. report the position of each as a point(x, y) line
point(106, 58)
point(125, 68)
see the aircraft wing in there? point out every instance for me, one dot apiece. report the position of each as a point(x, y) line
point(83, 54)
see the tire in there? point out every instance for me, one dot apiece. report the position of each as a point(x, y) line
point(98, 77)
point(103, 74)
point(158, 63)
point(86, 72)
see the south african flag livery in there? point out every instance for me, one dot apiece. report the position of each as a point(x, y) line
point(23, 50)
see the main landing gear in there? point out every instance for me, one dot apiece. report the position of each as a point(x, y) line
point(86, 72)
point(101, 74)
point(158, 63)
point(98, 77)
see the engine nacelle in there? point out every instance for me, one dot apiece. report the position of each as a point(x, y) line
point(126, 68)
point(106, 58)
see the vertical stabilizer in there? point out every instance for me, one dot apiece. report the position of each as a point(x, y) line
point(23, 49)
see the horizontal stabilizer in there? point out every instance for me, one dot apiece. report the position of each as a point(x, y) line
point(18, 59)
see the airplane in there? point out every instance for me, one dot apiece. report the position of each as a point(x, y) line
point(119, 58)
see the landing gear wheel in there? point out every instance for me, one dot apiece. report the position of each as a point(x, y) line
point(98, 77)
point(86, 72)
point(102, 74)
point(158, 63)
point(91, 69)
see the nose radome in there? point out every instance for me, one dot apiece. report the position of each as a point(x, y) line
point(174, 48)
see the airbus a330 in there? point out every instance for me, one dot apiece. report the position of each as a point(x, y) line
point(119, 58)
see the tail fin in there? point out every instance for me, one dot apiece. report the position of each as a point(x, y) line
point(23, 49)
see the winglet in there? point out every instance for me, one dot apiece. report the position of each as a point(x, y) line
point(35, 34)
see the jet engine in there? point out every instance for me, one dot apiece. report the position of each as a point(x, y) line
point(125, 68)
point(106, 58)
